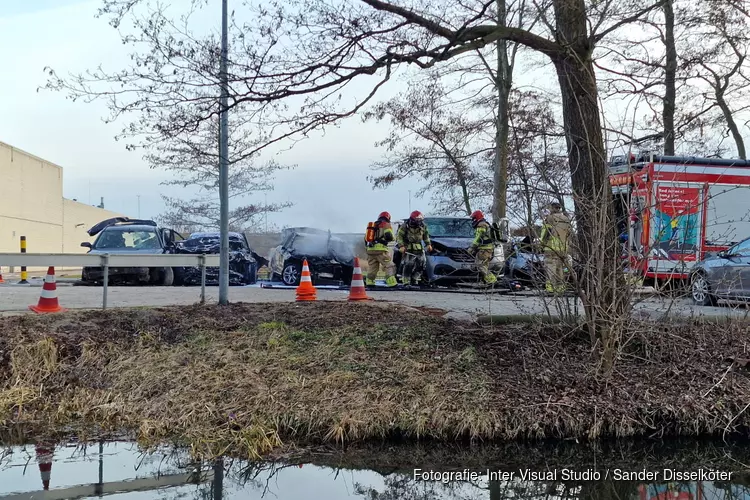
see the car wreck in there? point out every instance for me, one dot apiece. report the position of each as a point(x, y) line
point(243, 262)
point(330, 258)
point(122, 235)
point(525, 262)
point(450, 262)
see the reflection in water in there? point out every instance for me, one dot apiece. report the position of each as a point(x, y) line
point(121, 470)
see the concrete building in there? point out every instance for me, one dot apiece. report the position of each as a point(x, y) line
point(32, 205)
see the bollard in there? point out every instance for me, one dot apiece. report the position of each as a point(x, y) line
point(24, 275)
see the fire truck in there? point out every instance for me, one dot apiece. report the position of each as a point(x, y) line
point(671, 210)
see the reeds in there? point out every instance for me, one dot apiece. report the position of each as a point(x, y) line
point(248, 379)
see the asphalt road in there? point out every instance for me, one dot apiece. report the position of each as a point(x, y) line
point(15, 299)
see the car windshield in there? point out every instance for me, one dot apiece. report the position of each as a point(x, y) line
point(137, 239)
point(450, 228)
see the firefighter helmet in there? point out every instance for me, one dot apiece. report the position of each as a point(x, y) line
point(477, 215)
point(416, 215)
point(385, 215)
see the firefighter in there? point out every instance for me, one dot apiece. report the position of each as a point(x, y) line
point(410, 237)
point(378, 254)
point(483, 247)
point(556, 232)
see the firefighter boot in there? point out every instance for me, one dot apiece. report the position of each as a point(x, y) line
point(390, 281)
point(369, 282)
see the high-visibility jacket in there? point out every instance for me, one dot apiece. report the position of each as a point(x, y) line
point(482, 237)
point(383, 236)
point(556, 232)
point(411, 238)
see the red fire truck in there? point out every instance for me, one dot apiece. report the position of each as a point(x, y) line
point(672, 210)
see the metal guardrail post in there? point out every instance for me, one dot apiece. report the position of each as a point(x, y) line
point(202, 263)
point(24, 274)
point(105, 279)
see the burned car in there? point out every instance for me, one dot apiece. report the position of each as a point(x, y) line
point(121, 235)
point(330, 258)
point(243, 262)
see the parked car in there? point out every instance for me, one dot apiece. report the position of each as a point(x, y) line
point(722, 275)
point(121, 235)
point(331, 259)
point(243, 262)
point(450, 261)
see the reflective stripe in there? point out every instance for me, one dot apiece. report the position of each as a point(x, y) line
point(50, 278)
point(49, 294)
point(306, 277)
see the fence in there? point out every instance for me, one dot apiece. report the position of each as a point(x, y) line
point(106, 261)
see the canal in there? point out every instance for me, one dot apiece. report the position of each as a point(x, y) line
point(121, 470)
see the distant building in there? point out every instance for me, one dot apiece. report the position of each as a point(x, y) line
point(32, 205)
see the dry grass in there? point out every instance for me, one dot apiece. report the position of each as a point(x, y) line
point(249, 379)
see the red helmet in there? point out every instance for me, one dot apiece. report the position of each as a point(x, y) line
point(416, 215)
point(385, 215)
point(477, 215)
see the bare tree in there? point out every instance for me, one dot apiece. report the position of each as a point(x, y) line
point(192, 158)
point(538, 172)
point(431, 138)
point(717, 56)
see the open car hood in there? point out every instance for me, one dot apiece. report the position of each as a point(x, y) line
point(99, 227)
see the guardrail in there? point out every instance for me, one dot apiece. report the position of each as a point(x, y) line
point(105, 261)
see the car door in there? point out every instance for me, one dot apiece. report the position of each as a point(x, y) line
point(743, 269)
point(727, 278)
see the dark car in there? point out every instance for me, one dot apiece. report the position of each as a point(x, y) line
point(243, 262)
point(450, 261)
point(331, 259)
point(724, 275)
point(121, 235)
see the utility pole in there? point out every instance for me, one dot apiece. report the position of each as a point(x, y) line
point(265, 202)
point(410, 201)
point(224, 162)
point(139, 206)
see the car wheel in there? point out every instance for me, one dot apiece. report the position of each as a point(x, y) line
point(700, 290)
point(291, 274)
point(167, 277)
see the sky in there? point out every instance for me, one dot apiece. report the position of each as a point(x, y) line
point(328, 187)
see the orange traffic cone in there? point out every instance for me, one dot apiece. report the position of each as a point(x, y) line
point(44, 455)
point(357, 289)
point(48, 301)
point(306, 291)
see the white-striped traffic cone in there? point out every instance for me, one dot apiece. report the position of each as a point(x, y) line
point(48, 300)
point(357, 290)
point(306, 291)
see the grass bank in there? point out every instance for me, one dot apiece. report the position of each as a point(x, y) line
point(250, 379)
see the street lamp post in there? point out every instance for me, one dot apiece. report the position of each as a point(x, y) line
point(224, 162)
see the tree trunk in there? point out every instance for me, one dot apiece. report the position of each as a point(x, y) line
point(670, 77)
point(503, 83)
point(599, 277)
point(465, 193)
point(731, 123)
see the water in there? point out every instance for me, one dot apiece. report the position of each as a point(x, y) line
point(120, 470)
